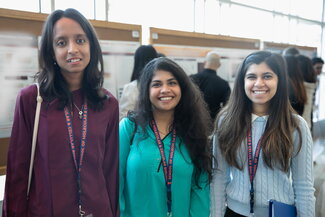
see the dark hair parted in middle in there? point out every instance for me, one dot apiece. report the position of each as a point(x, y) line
point(52, 82)
point(191, 118)
point(143, 55)
point(277, 146)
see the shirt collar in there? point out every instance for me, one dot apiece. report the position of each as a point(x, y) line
point(254, 117)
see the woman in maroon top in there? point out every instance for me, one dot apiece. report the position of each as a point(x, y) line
point(70, 79)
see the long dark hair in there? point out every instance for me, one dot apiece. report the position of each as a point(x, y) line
point(297, 91)
point(143, 55)
point(277, 144)
point(191, 118)
point(307, 69)
point(52, 83)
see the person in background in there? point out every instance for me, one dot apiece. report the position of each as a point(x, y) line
point(318, 65)
point(306, 67)
point(297, 91)
point(291, 51)
point(263, 150)
point(215, 90)
point(142, 56)
point(161, 55)
point(75, 172)
point(165, 157)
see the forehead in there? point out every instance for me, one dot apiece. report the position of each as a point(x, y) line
point(162, 75)
point(66, 27)
point(259, 69)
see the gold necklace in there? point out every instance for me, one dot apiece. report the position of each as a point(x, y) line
point(80, 111)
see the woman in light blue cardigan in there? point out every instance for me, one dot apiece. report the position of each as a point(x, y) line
point(263, 150)
point(170, 122)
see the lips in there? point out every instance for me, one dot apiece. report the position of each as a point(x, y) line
point(165, 98)
point(259, 91)
point(73, 60)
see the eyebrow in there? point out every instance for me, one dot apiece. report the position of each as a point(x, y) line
point(170, 79)
point(76, 36)
point(264, 73)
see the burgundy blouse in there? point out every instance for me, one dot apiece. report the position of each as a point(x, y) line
point(54, 187)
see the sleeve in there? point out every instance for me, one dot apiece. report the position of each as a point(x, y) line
point(111, 161)
point(220, 179)
point(200, 198)
point(128, 99)
point(126, 129)
point(302, 172)
point(15, 197)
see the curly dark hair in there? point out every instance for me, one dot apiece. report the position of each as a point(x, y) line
point(191, 118)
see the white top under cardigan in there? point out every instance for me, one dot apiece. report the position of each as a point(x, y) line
point(231, 186)
point(129, 98)
point(308, 107)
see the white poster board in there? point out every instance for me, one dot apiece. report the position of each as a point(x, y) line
point(18, 65)
point(118, 64)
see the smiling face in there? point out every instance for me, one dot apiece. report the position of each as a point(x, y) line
point(260, 86)
point(165, 92)
point(71, 47)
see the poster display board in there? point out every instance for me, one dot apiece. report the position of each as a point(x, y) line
point(118, 64)
point(18, 65)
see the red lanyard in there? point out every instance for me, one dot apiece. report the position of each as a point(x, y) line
point(168, 169)
point(252, 166)
point(84, 131)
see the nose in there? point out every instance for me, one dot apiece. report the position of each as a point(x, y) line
point(259, 82)
point(73, 47)
point(165, 89)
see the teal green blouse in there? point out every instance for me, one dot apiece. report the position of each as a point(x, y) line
point(142, 182)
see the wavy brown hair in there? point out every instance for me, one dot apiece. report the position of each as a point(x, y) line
point(277, 142)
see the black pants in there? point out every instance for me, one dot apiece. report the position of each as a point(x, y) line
point(230, 213)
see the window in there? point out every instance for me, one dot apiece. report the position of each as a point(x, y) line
point(26, 5)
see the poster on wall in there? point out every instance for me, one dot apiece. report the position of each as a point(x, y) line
point(118, 59)
point(18, 65)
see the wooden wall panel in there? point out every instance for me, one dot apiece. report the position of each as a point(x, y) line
point(173, 37)
point(29, 23)
point(4, 142)
point(283, 46)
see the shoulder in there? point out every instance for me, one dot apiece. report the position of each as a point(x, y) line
point(310, 87)
point(28, 94)
point(132, 84)
point(195, 77)
point(110, 97)
point(221, 80)
point(126, 121)
point(220, 119)
point(29, 91)
point(127, 124)
point(130, 89)
point(302, 124)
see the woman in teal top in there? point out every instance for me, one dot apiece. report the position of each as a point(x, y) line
point(165, 159)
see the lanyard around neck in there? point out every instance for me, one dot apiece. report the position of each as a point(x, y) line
point(252, 166)
point(168, 169)
point(84, 131)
